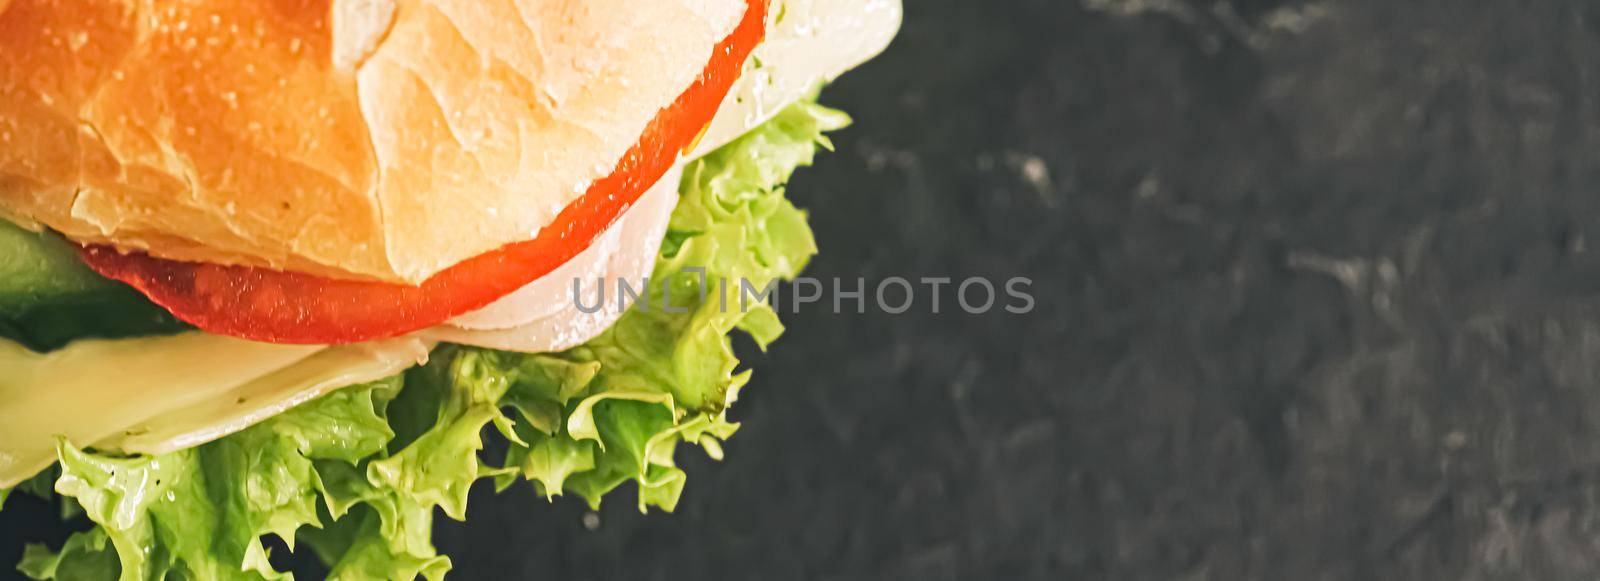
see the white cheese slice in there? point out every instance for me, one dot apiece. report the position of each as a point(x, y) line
point(159, 394)
point(809, 42)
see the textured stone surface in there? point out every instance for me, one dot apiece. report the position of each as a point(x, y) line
point(1317, 300)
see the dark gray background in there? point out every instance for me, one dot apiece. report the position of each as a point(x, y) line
point(1316, 300)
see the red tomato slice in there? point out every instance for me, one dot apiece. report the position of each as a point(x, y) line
point(273, 306)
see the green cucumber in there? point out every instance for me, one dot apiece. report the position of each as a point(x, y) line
point(48, 298)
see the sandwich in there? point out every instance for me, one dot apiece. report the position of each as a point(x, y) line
point(275, 275)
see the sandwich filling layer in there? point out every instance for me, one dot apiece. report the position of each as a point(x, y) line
point(357, 475)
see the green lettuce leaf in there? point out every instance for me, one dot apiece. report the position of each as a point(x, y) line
point(357, 476)
point(39, 486)
point(85, 557)
point(202, 513)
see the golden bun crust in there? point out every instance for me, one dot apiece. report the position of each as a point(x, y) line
point(382, 139)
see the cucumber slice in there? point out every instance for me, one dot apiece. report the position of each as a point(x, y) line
point(48, 298)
